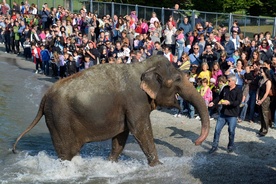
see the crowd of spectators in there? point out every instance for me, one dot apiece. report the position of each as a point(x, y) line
point(62, 43)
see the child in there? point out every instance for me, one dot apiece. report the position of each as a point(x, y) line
point(206, 93)
point(37, 58)
point(136, 43)
point(45, 57)
point(87, 62)
point(236, 56)
point(42, 35)
point(180, 41)
point(62, 64)
point(71, 66)
point(27, 48)
point(77, 59)
point(126, 53)
point(216, 72)
point(205, 73)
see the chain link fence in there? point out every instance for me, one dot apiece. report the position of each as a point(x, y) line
point(248, 24)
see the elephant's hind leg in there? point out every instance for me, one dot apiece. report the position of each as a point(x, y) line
point(118, 144)
point(66, 144)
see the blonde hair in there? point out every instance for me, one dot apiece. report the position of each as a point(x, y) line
point(203, 64)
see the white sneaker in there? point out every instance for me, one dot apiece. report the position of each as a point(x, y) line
point(197, 118)
point(179, 115)
point(175, 115)
point(36, 71)
point(211, 119)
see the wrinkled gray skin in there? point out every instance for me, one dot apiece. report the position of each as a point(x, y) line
point(110, 100)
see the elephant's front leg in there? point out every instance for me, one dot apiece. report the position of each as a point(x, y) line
point(142, 132)
point(118, 144)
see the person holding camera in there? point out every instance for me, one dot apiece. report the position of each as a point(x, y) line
point(208, 55)
point(237, 70)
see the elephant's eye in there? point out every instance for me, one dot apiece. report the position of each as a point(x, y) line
point(159, 78)
point(178, 79)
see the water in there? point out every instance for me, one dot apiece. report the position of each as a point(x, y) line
point(36, 160)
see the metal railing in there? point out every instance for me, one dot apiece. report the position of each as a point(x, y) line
point(249, 24)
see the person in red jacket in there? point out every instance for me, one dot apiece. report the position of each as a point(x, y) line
point(37, 58)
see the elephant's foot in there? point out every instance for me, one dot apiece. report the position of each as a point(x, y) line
point(112, 158)
point(154, 163)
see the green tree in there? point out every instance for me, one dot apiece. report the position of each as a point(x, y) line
point(238, 5)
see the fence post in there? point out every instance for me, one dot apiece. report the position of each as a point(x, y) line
point(112, 9)
point(71, 6)
point(230, 22)
point(162, 16)
point(193, 19)
point(274, 29)
point(91, 5)
point(136, 9)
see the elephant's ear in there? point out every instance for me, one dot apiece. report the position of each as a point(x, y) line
point(151, 82)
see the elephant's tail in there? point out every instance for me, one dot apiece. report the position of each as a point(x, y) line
point(35, 121)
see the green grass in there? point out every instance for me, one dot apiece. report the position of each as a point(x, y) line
point(251, 30)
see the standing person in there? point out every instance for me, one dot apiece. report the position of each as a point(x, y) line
point(206, 93)
point(216, 72)
point(208, 55)
point(71, 66)
point(45, 57)
point(169, 34)
point(186, 26)
point(195, 56)
point(180, 42)
point(230, 98)
point(176, 14)
point(228, 45)
point(263, 100)
point(253, 86)
point(16, 37)
point(37, 58)
point(44, 16)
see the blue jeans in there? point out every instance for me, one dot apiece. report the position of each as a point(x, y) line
point(232, 123)
point(251, 104)
point(180, 49)
point(191, 110)
point(244, 108)
point(46, 66)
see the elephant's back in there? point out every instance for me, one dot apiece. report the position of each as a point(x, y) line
point(100, 80)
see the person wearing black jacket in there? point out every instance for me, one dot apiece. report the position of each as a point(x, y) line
point(230, 98)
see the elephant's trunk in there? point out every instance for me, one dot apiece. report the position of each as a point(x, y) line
point(190, 94)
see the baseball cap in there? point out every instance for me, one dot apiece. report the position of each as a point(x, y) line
point(232, 60)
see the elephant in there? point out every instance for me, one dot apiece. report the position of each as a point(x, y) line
point(109, 101)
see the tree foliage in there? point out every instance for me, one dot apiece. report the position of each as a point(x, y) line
point(252, 7)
